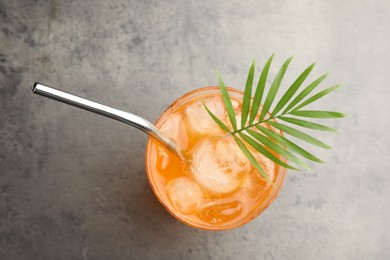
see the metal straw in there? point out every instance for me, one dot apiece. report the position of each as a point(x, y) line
point(124, 117)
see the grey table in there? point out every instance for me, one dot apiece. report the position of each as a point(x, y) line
point(73, 184)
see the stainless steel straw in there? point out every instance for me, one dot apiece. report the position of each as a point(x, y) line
point(124, 117)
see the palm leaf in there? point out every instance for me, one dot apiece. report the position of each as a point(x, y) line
point(228, 102)
point(278, 149)
point(260, 90)
point(288, 144)
point(298, 134)
point(247, 95)
point(265, 152)
point(305, 92)
point(291, 90)
point(274, 88)
point(316, 97)
point(273, 142)
point(307, 124)
point(252, 159)
point(317, 114)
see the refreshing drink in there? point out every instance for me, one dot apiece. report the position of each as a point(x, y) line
point(216, 180)
point(217, 187)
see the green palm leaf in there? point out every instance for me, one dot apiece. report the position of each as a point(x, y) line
point(260, 90)
point(247, 95)
point(228, 102)
point(274, 88)
point(316, 97)
point(275, 147)
point(305, 92)
point(291, 90)
point(288, 144)
point(264, 151)
point(317, 114)
point(298, 134)
point(307, 124)
point(267, 141)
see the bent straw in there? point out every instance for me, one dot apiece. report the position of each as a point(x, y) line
point(124, 117)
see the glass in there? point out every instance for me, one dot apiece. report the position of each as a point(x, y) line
point(231, 206)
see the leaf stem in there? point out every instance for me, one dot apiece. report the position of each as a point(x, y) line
point(255, 124)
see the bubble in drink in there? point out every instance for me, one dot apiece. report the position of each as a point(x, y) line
point(199, 120)
point(184, 194)
point(218, 165)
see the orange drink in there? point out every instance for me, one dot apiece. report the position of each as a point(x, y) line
point(217, 188)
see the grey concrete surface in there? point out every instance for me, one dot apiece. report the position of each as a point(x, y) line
point(73, 184)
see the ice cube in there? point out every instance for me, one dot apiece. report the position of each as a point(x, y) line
point(199, 121)
point(218, 165)
point(255, 185)
point(184, 194)
point(220, 212)
point(174, 127)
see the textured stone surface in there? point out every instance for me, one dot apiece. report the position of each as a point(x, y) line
point(73, 184)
